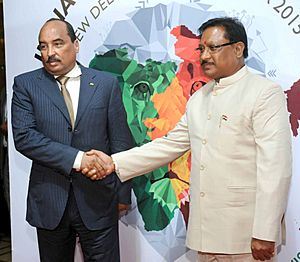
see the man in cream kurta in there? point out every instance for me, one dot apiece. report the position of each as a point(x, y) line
point(237, 129)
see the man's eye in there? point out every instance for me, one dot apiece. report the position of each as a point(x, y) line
point(42, 47)
point(201, 48)
point(58, 44)
point(213, 48)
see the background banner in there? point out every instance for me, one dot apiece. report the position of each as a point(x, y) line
point(150, 46)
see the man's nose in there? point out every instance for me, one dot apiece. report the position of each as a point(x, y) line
point(205, 54)
point(50, 51)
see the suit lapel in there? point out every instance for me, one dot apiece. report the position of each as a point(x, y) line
point(88, 87)
point(51, 89)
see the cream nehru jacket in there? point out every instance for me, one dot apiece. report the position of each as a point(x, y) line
point(239, 135)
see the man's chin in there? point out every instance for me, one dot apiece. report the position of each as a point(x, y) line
point(209, 73)
point(53, 70)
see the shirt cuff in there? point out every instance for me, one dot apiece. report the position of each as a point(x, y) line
point(78, 159)
point(116, 166)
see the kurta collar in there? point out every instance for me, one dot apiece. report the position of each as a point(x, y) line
point(227, 81)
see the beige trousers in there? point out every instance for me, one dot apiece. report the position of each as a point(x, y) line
point(203, 257)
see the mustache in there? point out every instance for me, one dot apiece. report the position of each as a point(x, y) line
point(203, 62)
point(52, 59)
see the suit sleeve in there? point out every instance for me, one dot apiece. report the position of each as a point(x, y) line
point(120, 136)
point(29, 141)
point(159, 152)
point(274, 162)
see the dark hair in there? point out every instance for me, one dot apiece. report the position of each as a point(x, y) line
point(70, 29)
point(234, 30)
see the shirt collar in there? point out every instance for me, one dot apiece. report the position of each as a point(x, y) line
point(75, 72)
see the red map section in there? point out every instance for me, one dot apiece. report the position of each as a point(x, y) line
point(190, 74)
point(293, 103)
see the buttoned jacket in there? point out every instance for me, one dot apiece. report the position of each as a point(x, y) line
point(239, 136)
point(43, 133)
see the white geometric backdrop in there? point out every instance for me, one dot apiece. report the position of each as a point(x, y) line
point(273, 28)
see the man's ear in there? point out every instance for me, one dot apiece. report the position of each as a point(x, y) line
point(239, 49)
point(76, 44)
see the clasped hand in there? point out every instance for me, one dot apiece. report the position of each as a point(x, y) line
point(262, 250)
point(96, 165)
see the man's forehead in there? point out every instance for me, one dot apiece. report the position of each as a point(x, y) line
point(52, 30)
point(211, 34)
point(214, 30)
point(54, 26)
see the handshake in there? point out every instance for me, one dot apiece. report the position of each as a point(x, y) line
point(96, 165)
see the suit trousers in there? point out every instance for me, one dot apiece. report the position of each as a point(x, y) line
point(58, 245)
point(205, 257)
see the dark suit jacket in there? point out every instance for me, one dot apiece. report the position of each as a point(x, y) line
point(2, 120)
point(42, 132)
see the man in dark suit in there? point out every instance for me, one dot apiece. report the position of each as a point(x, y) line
point(62, 203)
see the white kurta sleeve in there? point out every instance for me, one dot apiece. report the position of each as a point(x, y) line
point(274, 162)
point(159, 152)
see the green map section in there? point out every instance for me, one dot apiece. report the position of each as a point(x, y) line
point(155, 195)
